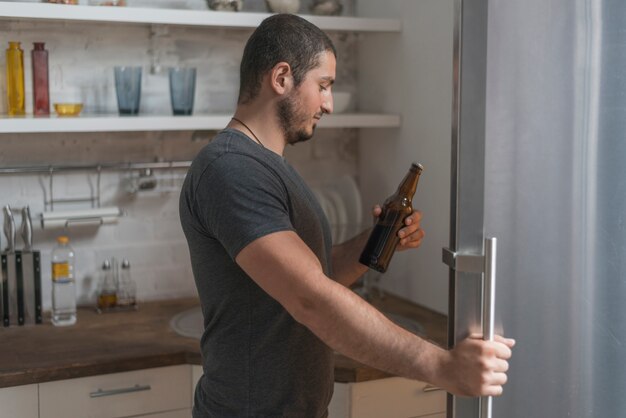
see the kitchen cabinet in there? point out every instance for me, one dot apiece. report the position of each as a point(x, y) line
point(19, 401)
point(43, 13)
point(163, 392)
point(196, 373)
point(392, 397)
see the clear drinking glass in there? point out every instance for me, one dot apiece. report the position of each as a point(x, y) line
point(128, 89)
point(182, 90)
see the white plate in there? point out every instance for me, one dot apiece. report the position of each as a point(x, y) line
point(326, 205)
point(347, 188)
point(339, 227)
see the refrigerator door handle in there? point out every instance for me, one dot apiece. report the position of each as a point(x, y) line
point(489, 305)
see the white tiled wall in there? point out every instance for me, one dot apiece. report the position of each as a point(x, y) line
point(149, 235)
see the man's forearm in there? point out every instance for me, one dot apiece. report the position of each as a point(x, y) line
point(354, 328)
point(345, 258)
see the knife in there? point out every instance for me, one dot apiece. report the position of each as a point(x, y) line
point(30, 265)
point(4, 290)
point(16, 282)
point(9, 266)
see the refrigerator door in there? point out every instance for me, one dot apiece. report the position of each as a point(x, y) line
point(554, 194)
point(465, 252)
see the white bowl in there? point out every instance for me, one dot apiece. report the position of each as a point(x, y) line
point(341, 101)
point(283, 6)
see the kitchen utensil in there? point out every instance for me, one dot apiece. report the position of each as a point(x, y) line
point(4, 290)
point(9, 228)
point(31, 270)
point(14, 270)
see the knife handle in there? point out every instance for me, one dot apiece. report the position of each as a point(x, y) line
point(5, 289)
point(19, 278)
point(37, 280)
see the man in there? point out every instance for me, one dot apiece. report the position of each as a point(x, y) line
point(272, 287)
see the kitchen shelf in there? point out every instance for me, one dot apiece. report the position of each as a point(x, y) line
point(206, 18)
point(115, 123)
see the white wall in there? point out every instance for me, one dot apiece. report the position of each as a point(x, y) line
point(411, 73)
point(82, 57)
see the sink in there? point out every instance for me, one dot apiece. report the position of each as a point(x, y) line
point(408, 324)
point(189, 323)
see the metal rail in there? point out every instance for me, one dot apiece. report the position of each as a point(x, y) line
point(49, 169)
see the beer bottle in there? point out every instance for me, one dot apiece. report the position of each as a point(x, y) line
point(384, 238)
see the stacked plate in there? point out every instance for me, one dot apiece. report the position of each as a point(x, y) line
point(341, 202)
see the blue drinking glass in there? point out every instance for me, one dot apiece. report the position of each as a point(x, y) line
point(128, 89)
point(182, 90)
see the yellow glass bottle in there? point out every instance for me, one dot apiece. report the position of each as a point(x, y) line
point(15, 79)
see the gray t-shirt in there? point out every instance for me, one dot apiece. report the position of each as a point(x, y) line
point(258, 361)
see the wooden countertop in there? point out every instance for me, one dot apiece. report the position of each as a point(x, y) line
point(125, 341)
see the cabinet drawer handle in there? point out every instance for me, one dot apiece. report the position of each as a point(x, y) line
point(100, 393)
point(431, 388)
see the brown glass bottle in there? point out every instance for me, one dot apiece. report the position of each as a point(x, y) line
point(384, 237)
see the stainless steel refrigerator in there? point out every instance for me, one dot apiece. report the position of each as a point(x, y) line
point(539, 162)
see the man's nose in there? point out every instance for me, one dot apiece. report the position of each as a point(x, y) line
point(327, 105)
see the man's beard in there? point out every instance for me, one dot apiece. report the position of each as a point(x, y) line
point(291, 118)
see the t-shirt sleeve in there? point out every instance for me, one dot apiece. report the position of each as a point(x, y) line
point(240, 200)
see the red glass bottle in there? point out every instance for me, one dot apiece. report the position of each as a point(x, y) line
point(41, 89)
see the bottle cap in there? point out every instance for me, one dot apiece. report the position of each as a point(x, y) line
point(63, 239)
point(417, 166)
point(125, 264)
point(106, 265)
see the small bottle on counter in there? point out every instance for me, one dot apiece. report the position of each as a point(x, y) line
point(63, 283)
point(41, 90)
point(15, 79)
point(107, 294)
point(126, 287)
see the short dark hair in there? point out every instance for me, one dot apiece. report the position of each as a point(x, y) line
point(280, 38)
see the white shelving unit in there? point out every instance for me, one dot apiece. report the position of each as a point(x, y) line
point(115, 123)
point(134, 15)
point(47, 12)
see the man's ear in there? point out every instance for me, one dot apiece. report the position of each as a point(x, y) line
point(281, 78)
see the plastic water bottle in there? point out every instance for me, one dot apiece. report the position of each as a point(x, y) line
point(63, 284)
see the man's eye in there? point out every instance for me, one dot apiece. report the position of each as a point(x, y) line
point(322, 88)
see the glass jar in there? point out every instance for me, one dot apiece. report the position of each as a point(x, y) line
point(107, 291)
point(126, 287)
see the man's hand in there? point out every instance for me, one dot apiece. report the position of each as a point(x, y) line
point(476, 367)
point(411, 234)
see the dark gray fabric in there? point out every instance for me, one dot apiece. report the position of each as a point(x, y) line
point(258, 361)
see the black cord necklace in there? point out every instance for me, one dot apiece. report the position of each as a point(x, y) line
point(250, 130)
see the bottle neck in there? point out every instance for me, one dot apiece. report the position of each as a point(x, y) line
point(409, 183)
point(14, 45)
